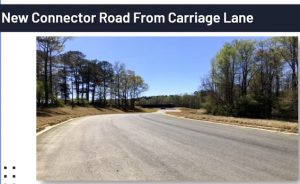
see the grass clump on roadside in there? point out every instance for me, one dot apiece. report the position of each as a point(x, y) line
point(277, 125)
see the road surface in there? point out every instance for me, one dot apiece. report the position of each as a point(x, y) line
point(157, 147)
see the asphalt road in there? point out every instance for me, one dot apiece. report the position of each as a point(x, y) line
point(156, 147)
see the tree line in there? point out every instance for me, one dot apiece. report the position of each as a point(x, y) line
point(254, 79)
point(70, 78)
point(248, 78)
point(184, 100)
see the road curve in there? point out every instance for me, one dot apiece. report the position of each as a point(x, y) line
point(156, 147)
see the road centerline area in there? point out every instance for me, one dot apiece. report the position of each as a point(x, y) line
point(155, 147)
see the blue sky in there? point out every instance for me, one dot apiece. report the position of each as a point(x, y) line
point(169, 65)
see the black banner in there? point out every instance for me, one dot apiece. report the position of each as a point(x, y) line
point(149, 18)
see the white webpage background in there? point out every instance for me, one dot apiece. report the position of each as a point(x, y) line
point(18, 76)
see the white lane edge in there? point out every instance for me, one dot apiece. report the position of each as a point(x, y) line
point(63, 122)
point(53, 126)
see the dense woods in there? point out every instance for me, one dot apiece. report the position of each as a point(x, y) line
point(248, 79)
point(254, 79)
point(70, 78)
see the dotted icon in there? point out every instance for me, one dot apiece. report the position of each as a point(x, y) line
point(7, 176)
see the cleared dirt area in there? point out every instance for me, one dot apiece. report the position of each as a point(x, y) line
point(277, 125)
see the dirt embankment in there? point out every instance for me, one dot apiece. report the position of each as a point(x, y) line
point(51, 116)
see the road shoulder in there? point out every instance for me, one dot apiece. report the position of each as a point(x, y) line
point(269, 129)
